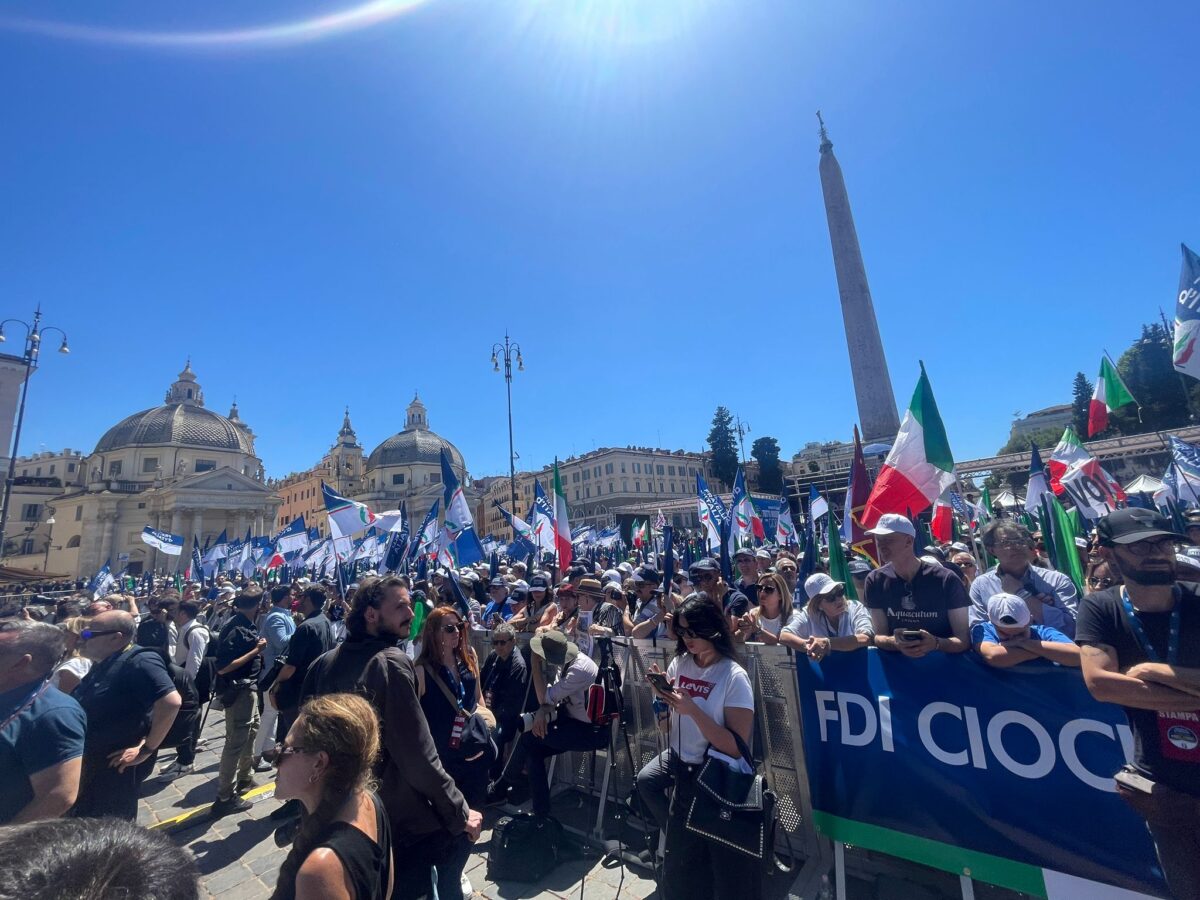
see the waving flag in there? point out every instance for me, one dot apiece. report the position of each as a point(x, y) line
point(919, 466)
point(711, 512)
point(1095, 492)
point(219, 550)
point(1037, 487)
point(427, 534)
point(541, 519)
point(346, 516)
point(163, 541)
point(1187, 316)
point(1182, 478)
point(195, 571)
point(817, 505)
point(292, 538)
point(562, 530)
point(519, 526)
point(858, 490)
point(1109, 395)
point(1068, 452)
point(785, 528)
point(942, 525)
point(103, 582)
point(741, 529)
point(459, 523)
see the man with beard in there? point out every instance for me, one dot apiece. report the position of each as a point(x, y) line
point(1140, 645)
point(429, 817)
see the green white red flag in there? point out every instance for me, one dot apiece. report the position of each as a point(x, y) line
point(1109, 395)
point(562, 529)
point(1068, 452)
point(919, 466)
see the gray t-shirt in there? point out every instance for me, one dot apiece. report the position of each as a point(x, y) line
point(855, 620)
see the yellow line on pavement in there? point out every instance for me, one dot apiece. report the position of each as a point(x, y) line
point(199, 811)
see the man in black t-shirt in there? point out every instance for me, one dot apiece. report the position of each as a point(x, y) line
point(747, 581)
point(313, 637)
point(239, 663)
point(705, 576)
point(917, 607)
point(1140, 647)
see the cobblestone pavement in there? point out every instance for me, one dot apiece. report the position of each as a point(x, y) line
point(238, 859)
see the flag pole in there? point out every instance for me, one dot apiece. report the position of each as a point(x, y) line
point(1187, 395)
point(979, 567)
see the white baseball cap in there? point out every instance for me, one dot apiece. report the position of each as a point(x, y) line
point(893, 523)
point(820, 583)
point(1007, 611)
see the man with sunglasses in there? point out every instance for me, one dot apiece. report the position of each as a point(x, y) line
point(505, 681)
point(1050, 595)
point(705, 575)
point(747, 583)
point(1140, 645)
point(131, 703)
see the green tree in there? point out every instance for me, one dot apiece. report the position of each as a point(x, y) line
point(1081, 396)
point(1148, 372)
point(1044, 438)
point(770, 475)
point(723, 444)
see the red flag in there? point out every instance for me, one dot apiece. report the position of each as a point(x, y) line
point(942, 525)
point(857, 492)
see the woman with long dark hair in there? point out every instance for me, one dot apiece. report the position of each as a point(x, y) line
point(710, 699)
point(449, 687)
point(343, 850)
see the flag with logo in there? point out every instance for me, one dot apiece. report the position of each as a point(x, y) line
point(1038, 486)
point(1187, 316)
point(163, 541)
point(1068, 452)
point(817, 505)
point(195, 571)
point(919, 467)
point(346, 516)
point(427, 533)
point(541, 519)
point(711, 512)
point(103, 582)
point(1094, 491)
point(785, 528)
point(741, 529)
point(292, 538)
point(459, 522)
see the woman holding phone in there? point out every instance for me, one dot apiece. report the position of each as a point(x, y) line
point(706, 697)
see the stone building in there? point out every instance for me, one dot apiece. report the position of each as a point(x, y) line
point(342, 468)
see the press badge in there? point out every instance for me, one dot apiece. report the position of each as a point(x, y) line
point(460, 722)
point(1179, 736)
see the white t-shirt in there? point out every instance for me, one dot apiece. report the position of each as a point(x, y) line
point(76, 665)
point(723, 684)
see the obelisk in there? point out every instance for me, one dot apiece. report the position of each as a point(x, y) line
point(872, 385)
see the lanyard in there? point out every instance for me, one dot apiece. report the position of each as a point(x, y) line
point(1140, 633)
point(29, 701)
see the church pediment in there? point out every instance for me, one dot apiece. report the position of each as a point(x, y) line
point(222, 479)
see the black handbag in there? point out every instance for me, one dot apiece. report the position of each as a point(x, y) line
point(736, 809)
point(476, 743)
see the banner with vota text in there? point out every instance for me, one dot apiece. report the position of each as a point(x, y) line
point(1005, 775)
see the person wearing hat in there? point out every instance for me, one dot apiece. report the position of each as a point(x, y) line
point(747, 582)
point(606, 619)
point(705, 575)
point(540, 609)
point(859, 569)
point(764, 560)
point(498, 609)
point(561, 679)
point(1140, 645)
point(1050, 595)
point(786, 567)
point(829, 620)
point(1010, 636)
point(917, 607)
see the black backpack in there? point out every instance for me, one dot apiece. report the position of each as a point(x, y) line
point(206, 674)
point(524, 847)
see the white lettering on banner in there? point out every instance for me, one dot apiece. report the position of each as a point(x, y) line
point(981, 744)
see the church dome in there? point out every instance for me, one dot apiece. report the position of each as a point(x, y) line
point(181, 421)
point(415, 445)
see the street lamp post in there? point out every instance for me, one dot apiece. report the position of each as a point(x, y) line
point(33, 346)
point(506, 350)
point(49, 540)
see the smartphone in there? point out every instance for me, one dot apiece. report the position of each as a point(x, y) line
point(911, 634)
point(1134, 780)
point(660, 681)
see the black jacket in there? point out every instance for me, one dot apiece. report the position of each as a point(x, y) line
point(504, 683)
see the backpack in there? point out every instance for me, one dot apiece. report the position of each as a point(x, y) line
point(206, 674)
point(189, 710)
point(524, 847)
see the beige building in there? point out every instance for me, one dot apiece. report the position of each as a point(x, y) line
point(342, 468)
point(178, 467)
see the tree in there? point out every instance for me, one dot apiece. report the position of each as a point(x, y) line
point(770, 475)
point(1148, 372)
point(1043, 438)
point(1081, 397)
point(723, 444)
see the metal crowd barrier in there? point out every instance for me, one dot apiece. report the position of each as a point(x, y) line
point(778, 745)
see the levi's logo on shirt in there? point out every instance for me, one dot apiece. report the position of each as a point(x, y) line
point(694, 686)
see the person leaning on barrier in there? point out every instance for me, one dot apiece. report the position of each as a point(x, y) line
point(1050, 595)
point(94, 859)
point(131, 704)
point(917, 607)
point(1009, 637)
point(829, 622)
point(710, 699)
point(41, 741)
point(1141, 650)
point(705, 575)
point(764, 623)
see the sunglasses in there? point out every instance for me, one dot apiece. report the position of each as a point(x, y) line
point(787, 568)
point(703, 576)
point(766, 589)
point(1146, 548)
point(501, 642)
point(451, 629)
point(695, 635)
point(1101, 583)
point(836, 594)
point(87, 634)
point(280, 752)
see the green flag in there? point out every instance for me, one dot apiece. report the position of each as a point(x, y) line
point(838, 570)
point(1064, 545)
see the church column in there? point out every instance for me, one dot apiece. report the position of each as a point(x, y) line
point(241, 525)
point(258, 525)
point(198, 526)
point(106, 541)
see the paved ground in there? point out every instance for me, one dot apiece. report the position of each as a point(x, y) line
point(238, 859)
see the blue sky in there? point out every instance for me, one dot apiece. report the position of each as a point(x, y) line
point(628, 187)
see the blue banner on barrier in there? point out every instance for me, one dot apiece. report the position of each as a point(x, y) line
point(1011, 767)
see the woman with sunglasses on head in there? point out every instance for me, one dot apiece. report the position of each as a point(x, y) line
point(764, 623)
point(449, 687)
point(710, 699)
point(829, 622)
point(343, 850)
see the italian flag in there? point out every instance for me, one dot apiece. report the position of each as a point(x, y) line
point(1067, 453)
point(942, 525)
point(1110, 395)
point(919, 466)
point(562, 530)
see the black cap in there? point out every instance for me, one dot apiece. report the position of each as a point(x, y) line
point(1128, 526)
point(647, 573)
point(539, 582)
point(703, 566)
point(498, 582)
point(858, 567)
point(744, 551)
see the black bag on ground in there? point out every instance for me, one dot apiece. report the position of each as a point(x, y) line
point(524, 848)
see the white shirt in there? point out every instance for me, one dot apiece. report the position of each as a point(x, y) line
point(189, 651)
point(572, 687)
point(855, 620)
point(76, 665)
point(723, 684)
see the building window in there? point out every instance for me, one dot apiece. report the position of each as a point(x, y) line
point(637, 486)
point(608, 468)
point(596, 471)
point(637, 468)
point(660, 470)
point(114, 468)
point(73, 542)
point(149, 464)
point(672, 487)
point(205, 465)
point(51, 468)
point(398, 478)
point(624, 486)
point(435, 477)
point(576, 493)
point(37, 472)
point(31, 512)
point(660, 486)
point(70, 467)
point(622, 468)
point(611, 489)
point(587, 492)
point(27, 546)
point(78, 513)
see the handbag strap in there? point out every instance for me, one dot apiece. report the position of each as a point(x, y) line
point(454, 701)
point(743, 749)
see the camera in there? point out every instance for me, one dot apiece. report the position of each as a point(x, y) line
point(527, 720)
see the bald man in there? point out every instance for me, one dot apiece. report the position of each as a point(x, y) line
point(130, 703)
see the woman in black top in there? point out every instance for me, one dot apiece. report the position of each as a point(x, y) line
point(343, 850)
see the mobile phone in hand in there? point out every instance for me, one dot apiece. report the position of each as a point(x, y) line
point(660, 681)
point(911, 634)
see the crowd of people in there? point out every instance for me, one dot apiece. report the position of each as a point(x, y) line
point(388, 735)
